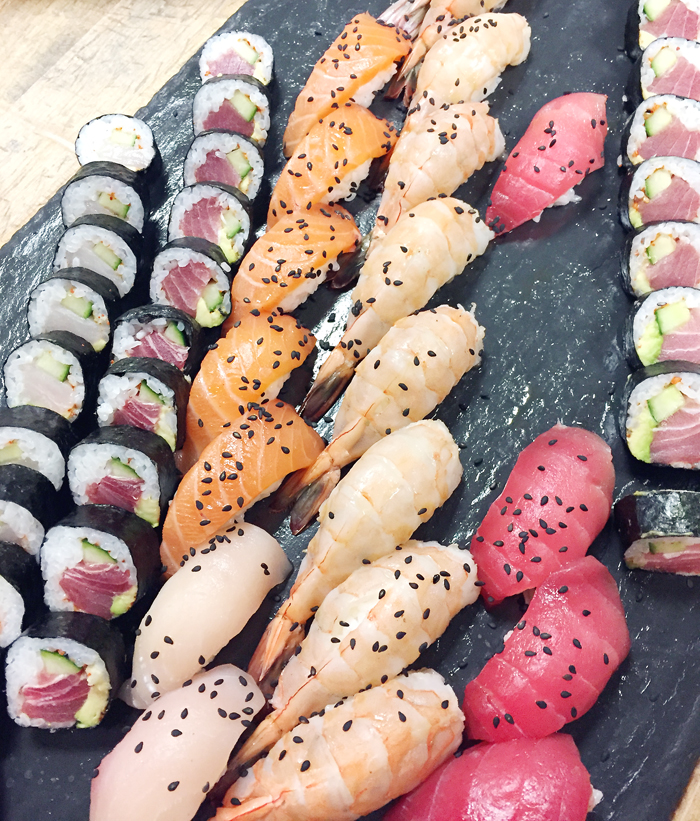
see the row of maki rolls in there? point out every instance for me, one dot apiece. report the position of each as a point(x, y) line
point(660, 268)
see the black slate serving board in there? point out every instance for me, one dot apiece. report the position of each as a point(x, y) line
point(552, 305)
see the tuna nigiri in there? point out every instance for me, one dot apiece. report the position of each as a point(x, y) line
point(354, 67)
point(562, 145)
point(242, 465)
point(331, 161)
point(555, 502)
point(556, 661)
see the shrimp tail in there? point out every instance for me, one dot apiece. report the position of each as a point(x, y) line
point(265, 735)
point(310, 500)
point(334, 375)
point(350, 265)
point(406, 14)
point(298, 482)
point(277, 644)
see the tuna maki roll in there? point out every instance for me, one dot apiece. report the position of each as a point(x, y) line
point(28, 506)
point(147, 394)
point(99, 560)
point(663, 126)
point(669, 65)
point(63, 672)
point(119, 139)
point(661, 189)
point(20, 591)
point(236, 52)
point(235, 103)
point(663, 255)
point(665, 325)
point(650, 19)
point(219, 156)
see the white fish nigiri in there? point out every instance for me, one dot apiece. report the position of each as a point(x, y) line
point(201, 608)
point(177, 751)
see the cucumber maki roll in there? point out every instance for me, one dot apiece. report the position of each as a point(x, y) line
point(663, 326)
point(669, 65)
point(104, 188)
point(126, 467)
point(663, 126)
point(99, 560)
point(664, 255)
point(235, 103)
point(28, 506)
point(661, 189)
point(159, 332)
point(20, 591)
point(76, 300)
point(105, 245)
point(236, 52)
point(219, 156)
point(119, 139)
point(193, 275)
point(64, 671)
point(650, 19)
point(147, 394)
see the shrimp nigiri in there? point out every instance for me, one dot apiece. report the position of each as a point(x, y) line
point(355, 757)
point(412, 369)
point(426, 248)
point(242, 465)
point(331, 161)
point(368, 630)
point(393, 488)
point(440, 147)
point(362, 59)
point(288, 263)
point(250, 364)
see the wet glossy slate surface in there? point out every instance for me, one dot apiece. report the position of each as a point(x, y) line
point(552, 305)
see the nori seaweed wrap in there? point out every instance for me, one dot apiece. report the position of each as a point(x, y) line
point(20, 591)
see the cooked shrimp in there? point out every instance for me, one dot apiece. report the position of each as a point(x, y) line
point(354, 757)
point(368, 630)
point(440, 147)
point(414, 367)
point(397, 485)
point(426, 248)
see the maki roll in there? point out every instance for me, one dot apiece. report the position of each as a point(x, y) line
point(99, 560)
point(217, 213)
point(663, 126)
point(57, 371)
point(126, 467)
point(159, 332)
point(665, 325)
point(117, 138)
point(669, 65)
point(63, 672)
point(663, 255)
point(20, 591)
point(661, 189)
point(219, 156)
point(236, 52)
point(661, 530)
point(28, 506)
point(235, 103)
point(105, 188)
point(661, 414)
point(193, 275)
point(105, 245)
point(76, 300)
point(650, 19)
point(147, 394)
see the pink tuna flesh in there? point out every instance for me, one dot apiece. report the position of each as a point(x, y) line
point(684, 558)
point(683, 342)
point(45, 391)
point(674, 141)
point(183, 285)
point(228, 119)
point(682, 267)
point(156, 346)
point(55, 698)
point(683, 80)
point(677, 202)
point(677, 439)
point(676, 20)
point(232, 63)
point(203, 219)
point(92, 586)
point(216, 168)
point(113, 490)
point(138, 414)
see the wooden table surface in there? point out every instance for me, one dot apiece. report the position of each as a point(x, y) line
point(67, 61)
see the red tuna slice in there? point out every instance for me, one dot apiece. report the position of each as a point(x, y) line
point(228, 119)
point(91, 587)
point(563, 144)
point(682, 267)
point(183, 284)
point(138, 414)
point(521, 780)
point(677, 438)
point(678, 554)
point(674, 141)
point(562, 654)
point(55, 698)
point(203, 219)
point(677, 202)
point(555, 502)
point(156, 346)
point(676, 20)
point(232, 63)
point(683, 342)
point(113, 490)
point(216, 168)
point(683, 80)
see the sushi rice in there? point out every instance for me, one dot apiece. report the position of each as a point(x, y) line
point(81, 198)
point(217, 47)
point(116, 138)
point(36, 451)
point(214, 93)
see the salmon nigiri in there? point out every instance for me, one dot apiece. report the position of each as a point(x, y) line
point(242, 465)
point(331, 161)
point(288, 263)
point(362, 59)
point(249, 365)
